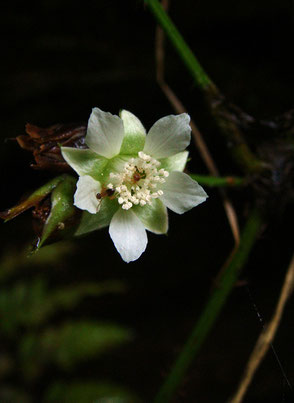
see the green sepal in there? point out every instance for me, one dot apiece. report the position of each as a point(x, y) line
point(63, 215)
point(91, 222)
point(154, 216)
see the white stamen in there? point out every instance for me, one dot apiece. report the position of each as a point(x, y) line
point(137, 183)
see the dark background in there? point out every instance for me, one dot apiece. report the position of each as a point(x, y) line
point(60, 59)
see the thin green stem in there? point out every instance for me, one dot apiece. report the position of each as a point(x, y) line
point(218, 181)
point(239, 149)
point(199, 75)
point(212, 309)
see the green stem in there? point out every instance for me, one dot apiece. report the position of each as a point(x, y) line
point(212, 309)
point(218, 181)
point(199, 75)
point(239, 149)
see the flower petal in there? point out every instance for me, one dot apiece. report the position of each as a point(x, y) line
point(176, 162)
point(128, 234)
point(154, 216)
point(135, 133)
point(105, 133)
point(91, 222)
point(168, 136)
point(181, 193)
point(85, 196)
point(83, 161)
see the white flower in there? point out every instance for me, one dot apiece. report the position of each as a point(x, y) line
point(127, 179)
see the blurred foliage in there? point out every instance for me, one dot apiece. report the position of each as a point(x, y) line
point(88, 392)
point(41, 339)
point(68, 344)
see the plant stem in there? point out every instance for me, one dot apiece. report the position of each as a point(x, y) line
point(212, 309)
point(213, 181)
point(220, 110)
point(199, 75)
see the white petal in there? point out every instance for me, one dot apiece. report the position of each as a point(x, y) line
point(85, 196)
point(105, 133)
point(168, 136)
point(181, 193)
point(128, 234)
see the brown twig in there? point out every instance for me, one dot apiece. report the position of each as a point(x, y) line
point(264, 341)
point(197, 136)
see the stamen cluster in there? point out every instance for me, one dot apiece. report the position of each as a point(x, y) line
point(138, 183)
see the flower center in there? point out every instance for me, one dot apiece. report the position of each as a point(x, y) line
point(139, 182)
